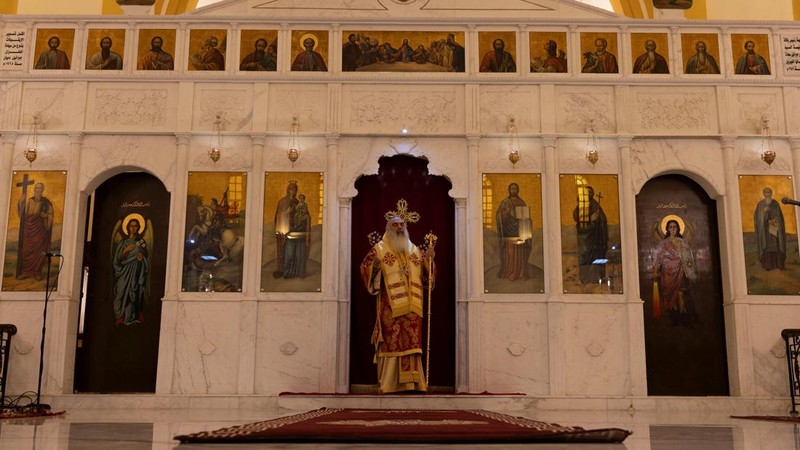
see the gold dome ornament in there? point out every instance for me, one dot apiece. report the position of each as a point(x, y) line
point(31, 151)
point(592, 156)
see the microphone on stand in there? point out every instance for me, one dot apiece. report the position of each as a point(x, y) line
point(47, 291)
point(788, 201)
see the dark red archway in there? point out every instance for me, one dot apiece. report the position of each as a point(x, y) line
point(406, 177)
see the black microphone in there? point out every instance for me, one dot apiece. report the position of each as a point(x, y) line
point(788, 201)
point(50, 255)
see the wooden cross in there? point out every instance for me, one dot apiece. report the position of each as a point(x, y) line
point(599, 196)
point(22, 213)
point(24, 185)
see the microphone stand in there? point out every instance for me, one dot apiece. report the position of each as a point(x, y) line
point(38, 403)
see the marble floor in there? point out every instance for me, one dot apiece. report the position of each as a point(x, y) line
point(153, 429)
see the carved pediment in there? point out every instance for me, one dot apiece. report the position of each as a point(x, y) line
point(366, 9)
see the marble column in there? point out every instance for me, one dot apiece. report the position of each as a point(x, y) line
point(462, 315)
point(70, 278)
point(67, 299)
point(469, 366)
point(343, 281)
point(794, 144)
point(736, 309)
point(553, 281)
point(634, 304)
point(336, 305)
point(248, 306)
point(169, 304)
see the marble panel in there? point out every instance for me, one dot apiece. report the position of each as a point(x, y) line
point(493, 155)
point(23, 361)
point(747, 157)
point(446, 156)
point(48, 102)
point(313, 154)
point(288, 347)
point(572, 156)
point(669, 110)
point(206, 348)
point(700, 159)
point(385, 109)
point(236, 153)
point(753, 105)
point(50, 152)
point(578, 107)
point(306, 102)
point(596, 343)
point(765, 323)
point(111, 107)
point(11, 104)
point(500, 104)
point(103, 156)
point(233, 104)
point(791, 97)
point(4, 122)
point(515, 348)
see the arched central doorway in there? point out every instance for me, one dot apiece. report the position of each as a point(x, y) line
point(681, 285)
point(124, 273)
point(404, 177)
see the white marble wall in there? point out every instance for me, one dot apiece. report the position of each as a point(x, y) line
point(95, 126)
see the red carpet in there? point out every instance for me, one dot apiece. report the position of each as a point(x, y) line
point(789, 419)
point(405, 426)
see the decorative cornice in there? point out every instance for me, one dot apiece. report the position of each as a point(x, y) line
point(9, 137)
point(333, 138)
point(624, 141)
point(76, 138)
point(727, 141)
point(259, 139)
point(182, 138)
point(549, 140)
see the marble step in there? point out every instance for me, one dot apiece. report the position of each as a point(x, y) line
point(501, 403)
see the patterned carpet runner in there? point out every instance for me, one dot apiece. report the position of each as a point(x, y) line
point(790, 419)
point(404, 426)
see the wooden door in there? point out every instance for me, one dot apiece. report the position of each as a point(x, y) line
point(681, 285)
point(124, 267)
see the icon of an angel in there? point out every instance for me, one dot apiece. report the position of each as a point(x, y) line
point(131, 263)
point(673, 271)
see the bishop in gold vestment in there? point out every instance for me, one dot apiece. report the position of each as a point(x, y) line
point(395, 271)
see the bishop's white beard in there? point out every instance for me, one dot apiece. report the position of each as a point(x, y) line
point(399, 241)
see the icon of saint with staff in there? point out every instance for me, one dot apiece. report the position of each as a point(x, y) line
point(399, 273)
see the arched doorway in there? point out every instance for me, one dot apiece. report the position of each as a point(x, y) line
point(404, 177)
point(681, 285)
point(124, 272)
